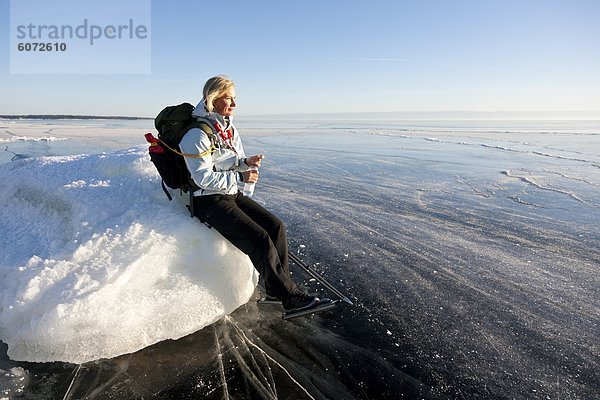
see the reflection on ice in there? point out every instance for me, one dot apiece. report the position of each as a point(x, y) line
point(249, 354)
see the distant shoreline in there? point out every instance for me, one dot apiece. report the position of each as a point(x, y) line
point(70, 117)
point(367, 116)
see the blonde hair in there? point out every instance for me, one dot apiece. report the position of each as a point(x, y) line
point(213, 88)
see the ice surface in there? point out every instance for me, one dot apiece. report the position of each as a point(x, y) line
point(472, 261)
point(96, 262)
point(13, 382)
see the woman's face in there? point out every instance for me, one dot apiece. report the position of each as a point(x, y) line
point(225, 104)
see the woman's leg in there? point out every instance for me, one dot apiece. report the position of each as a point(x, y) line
point(270, 223)
point(223, 213)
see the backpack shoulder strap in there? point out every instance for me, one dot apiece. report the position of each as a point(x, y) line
point(207, 127)
point(204, 124)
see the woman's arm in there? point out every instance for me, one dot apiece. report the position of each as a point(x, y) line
point(204, 172)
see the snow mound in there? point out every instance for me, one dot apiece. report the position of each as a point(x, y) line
point(95, 262)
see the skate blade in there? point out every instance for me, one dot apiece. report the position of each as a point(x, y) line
point(268, 302)
point(323, 306)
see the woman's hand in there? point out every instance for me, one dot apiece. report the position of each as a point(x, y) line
point(250, 176)
point(254, 161)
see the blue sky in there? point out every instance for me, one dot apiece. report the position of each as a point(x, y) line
point(324, 56)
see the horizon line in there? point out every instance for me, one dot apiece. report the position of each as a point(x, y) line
point(583, 114)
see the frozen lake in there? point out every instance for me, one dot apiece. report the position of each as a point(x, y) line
point(470, 249)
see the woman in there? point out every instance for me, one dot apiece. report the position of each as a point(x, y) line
point(219, 202)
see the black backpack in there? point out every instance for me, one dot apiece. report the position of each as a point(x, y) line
point(172, 123)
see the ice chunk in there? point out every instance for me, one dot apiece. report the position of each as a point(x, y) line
point(90, 271)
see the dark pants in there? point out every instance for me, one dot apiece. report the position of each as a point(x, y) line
point(253, 230)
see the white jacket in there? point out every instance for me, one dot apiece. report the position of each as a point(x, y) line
point(216, 173)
